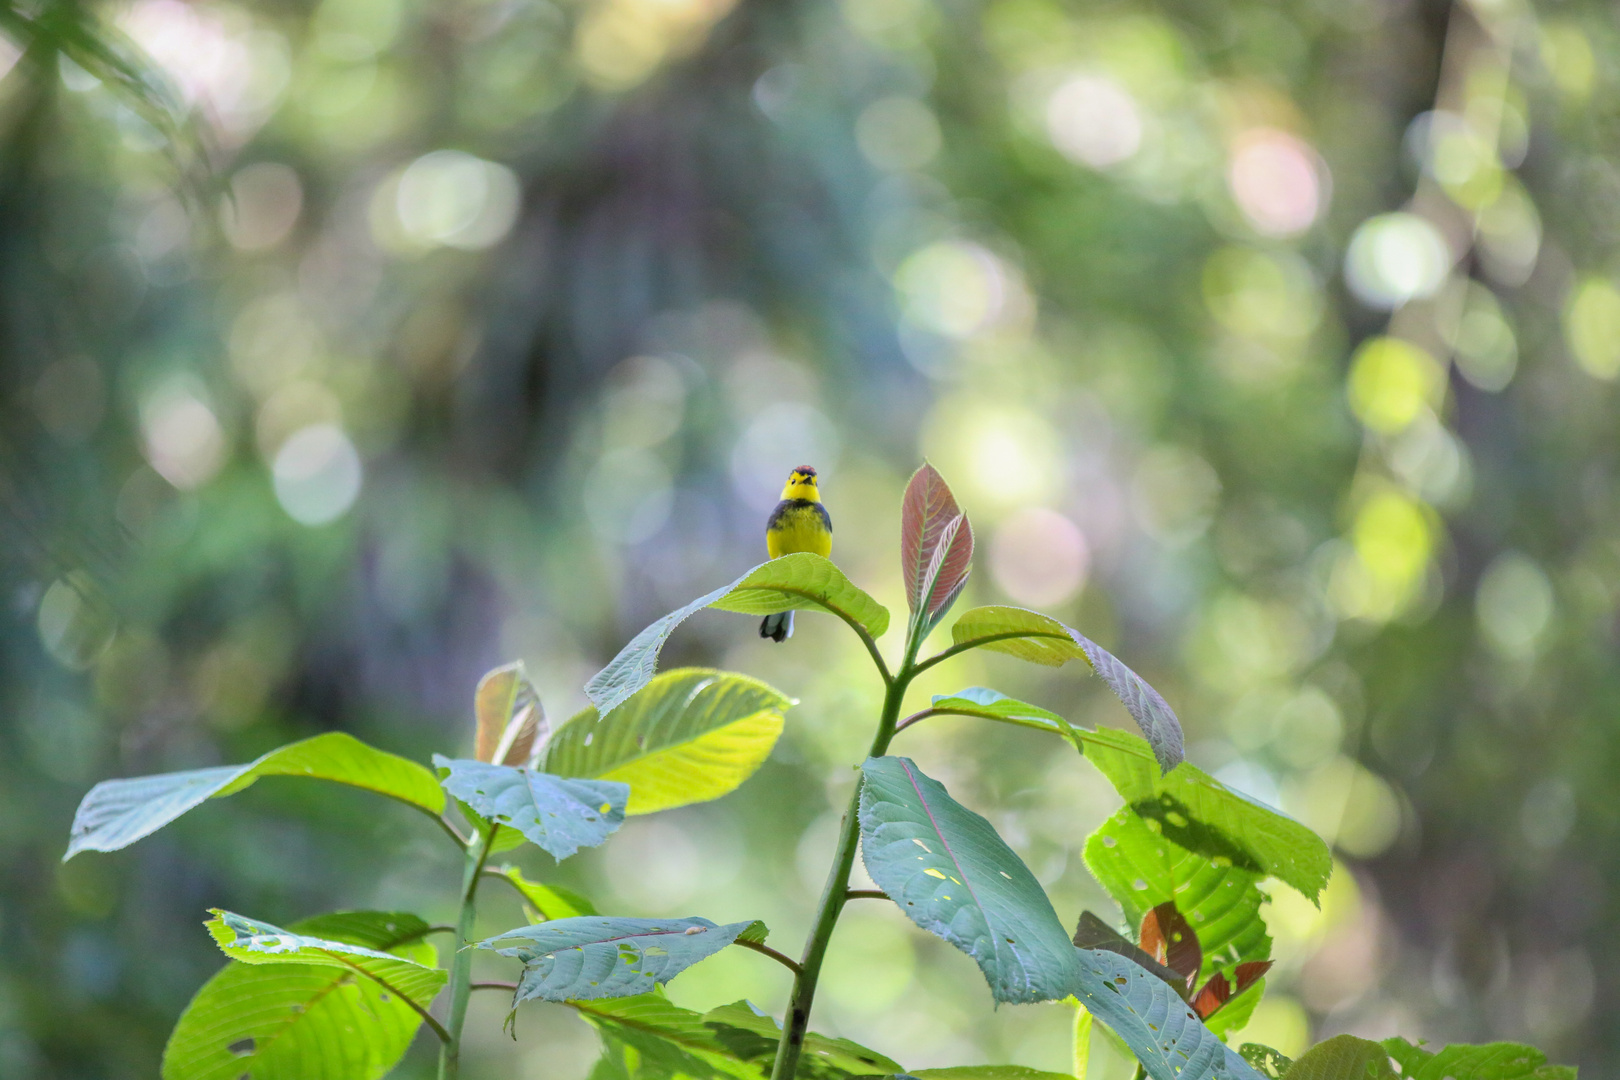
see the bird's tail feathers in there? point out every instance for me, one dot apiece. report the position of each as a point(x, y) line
point(778, 627)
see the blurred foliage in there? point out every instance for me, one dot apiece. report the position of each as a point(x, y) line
point(350, 349)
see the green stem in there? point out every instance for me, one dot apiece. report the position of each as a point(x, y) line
point(461, 964)
point(836, 892)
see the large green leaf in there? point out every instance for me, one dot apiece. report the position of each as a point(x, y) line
point(1490, 1061)
point(602, 956)
point(668, 1041)
point(752, 1036)
point(1201, 814)
point(1343, 1057)
point(987, 1072)
point(1141, 870)
point(733, 1042)
point(947, 869)
point(560, 816)
point(1161, 1030)
point(298, 1021)
point(116, 813)
point(988, 704)
point(1041, 639)
point(690, 735)
point(548, 901)
point(792, 582)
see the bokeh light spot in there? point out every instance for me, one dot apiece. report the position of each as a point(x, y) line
point(181, 437)
point(317, 474)
point(76, 621)
point(1039, 557)
point(1094, 121)
point(1276, 180)
point(456, 200)
point(898, 133)
point(1392, 383)
point(264, 204)
point(1514, 605)
point(1592, 326)
point(1394, 258)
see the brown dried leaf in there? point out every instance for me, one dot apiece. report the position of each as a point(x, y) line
point(1169, 938)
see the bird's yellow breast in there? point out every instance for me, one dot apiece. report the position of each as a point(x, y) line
point(798, 526)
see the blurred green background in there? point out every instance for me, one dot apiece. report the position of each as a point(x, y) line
point(1272, 343)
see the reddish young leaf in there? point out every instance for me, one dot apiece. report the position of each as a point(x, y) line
point(1169, 938)
point(951, 563)
point(1215, 993)
point(936, 542)
point(508, 710)
point(1248, 974)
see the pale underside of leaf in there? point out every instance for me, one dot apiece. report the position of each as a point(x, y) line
point(690, 735)
point(116, 813)
point(1041, 639)
point(600, 956)
point(946, 868)
point(801, 581)
point(253, 942)
point(558, 815)
point(1159, 1027)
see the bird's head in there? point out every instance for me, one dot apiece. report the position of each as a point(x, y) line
point(801, 484)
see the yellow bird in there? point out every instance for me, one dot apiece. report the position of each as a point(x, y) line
point(799, 523)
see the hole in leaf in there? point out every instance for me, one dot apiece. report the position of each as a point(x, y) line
point(242, 1047)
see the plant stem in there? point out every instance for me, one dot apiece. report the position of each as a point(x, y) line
point(461, 963)
point(836, 892)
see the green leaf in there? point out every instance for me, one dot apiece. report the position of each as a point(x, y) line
point(751, 1036)
point(255, 942)
point(1041, 639)
point(1141, 870)
point(116, 813)
point(755, 933)
point(1235, 1014)
point(1490, 1061)
point(690, 735)
point(1266, 1061)
point(936, 545)
point(1201, 814)
point(511, 720)
point(1161, 1030)
point(297, 1021)
point(1343, 1057)
point(988, 704)
point(668, 1041)
point(987, 1072)
point(550, 902)
point(792, 582)
point(603, 956)
point(560, 816)
point(947, 869)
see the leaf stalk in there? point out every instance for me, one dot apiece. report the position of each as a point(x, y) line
point(461, 966)
point(836, 892)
